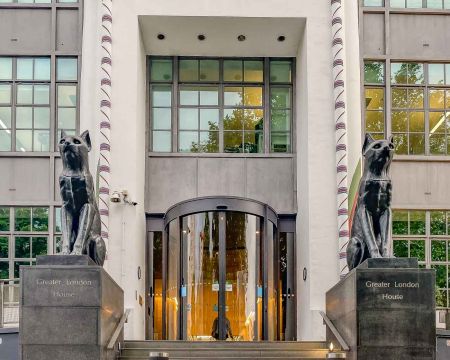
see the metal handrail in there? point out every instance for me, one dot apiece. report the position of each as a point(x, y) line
point(119, 328)
point(335, 331)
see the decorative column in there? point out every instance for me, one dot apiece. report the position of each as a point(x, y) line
point(340, 119)
point(105, 117)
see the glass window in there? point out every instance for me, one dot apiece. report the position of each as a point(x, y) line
point(373, 3)
point(6, 68)
point(67, 69)
point(373, 72)
point(161, 69)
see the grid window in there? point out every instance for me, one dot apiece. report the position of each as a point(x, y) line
point(26, 109)
point(416, 4)
point(57, 238)
point(425, 235)
point(374, 92)
point(218, 105)
point(24, 234)
point(373, 2)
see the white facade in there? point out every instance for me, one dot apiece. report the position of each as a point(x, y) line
point(307, 27)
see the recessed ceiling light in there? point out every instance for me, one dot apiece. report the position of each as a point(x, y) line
point(161, 36)
point(281, 38)
point(241, 37)
point(201, 37)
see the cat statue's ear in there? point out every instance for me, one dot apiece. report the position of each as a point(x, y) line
point(367, 141)
point(391, 139)
point(87, 139)
point(63, 134)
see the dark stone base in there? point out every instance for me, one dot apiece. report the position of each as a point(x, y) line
point(64, 260)
point(68, 312)
point(386, 312)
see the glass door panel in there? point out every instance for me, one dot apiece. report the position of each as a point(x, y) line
point(242, 240)
point(172, 298)
point(201, 275)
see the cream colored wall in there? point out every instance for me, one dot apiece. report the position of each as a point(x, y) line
point(315, 159)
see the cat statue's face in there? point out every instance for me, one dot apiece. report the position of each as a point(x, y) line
point(378, 153)
point(74, 149)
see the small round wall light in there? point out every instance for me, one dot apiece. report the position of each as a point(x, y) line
point(161, 36)
point(241, 37)
point(201, 37)
point(305, 274)
point(139, 273)
point(281, 38)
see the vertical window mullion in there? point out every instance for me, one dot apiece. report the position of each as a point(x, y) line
point(388, 98)
point(175, 106)
point(221, 107)
point(426, 109)
point(267, 136)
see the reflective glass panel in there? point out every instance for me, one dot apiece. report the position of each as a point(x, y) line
point(4, 247)
point(209, 70)
point(162, 118)
point(281, 120)
point(374, 99)
point(417, 222)
point(67, 95)
point(280, 71)
point(40, 219)
point(414, 4)
point(24, 94)
point(42, 69)
point(233, 96)
point(253, 71)
point(416, 122)
point(38, 246)
point(24, 140)
point(436, 74)
point(438, 224)
point(22, 247)
point(162, 95)
point(209, 141)
point(4, 219)
point(67, 118)
point(5, 68)
point(400, 222)
point(24, 69)
point(22, 219)
point(233, 70)
point(24, 117)
point(188, 70)
point(42, 94)
point(233, 119)
point(374, 72)
point(253, 96)
point(5, 140)
point(188, 141)
point(161, 70)
point(173, 281)
point(209, 119)
point(401, 248)
point(188, 119)
point(233, 141)
point(5, 94)
point(398, 3)
point(436, 99)
point(434, 4)
point(375, 122)
point(162, 141)
point(417, 249)
point(5, 117)
point(438, 250)
point(280, 142)
point(67, 69)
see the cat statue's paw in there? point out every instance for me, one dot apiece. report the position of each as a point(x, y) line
point(77, 250)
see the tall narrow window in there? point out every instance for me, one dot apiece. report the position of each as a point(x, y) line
point(374, 91)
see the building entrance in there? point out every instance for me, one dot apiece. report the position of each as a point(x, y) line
point(220, 275)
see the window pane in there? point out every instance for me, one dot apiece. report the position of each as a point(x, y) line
point(280, 120)
point(162, 118)
point(161, 70)
point(436, 73)
point(253, 119)
point(24, 69)
point(17, 265)
point(209, 119)
point(188, 119)
point(441, 298)
point(438, 250)
point(401, 248)
point(22, 219)
point(162, 141)
point(280, 98)
point(415, 72)
point(22, 247)
point(399, 72)
point(67, 69)
point(5, 140)
point(5, 94)
point(399, 98)
point(280, 142)
point(417, 249)
point(375, 122)
point(5, 68)
point(374, 72)
point(209, 141)
point(400, 222)
point(416, 144)
point(209, 70)
point(447, 66)
point(437, 122)
point(253, 96)
point(41, 118)
point(434, 4)
point(4, 247)
point(253, 142)
point(446, 4)
point(57, 244)
point(401, 143)
point(58, 221)
point(436, 99)
point(41, 140)
point(416, 122)
point(373, 3)
point(5, 117)
point(441, 275)
point(24, 140)
point(162, 95)
point(232, 70)
point(280, 72)
point(4, 219)
point(188, 141)
point(399, 121)
point(414, 4)
point(42, 94)
point(233, 119)
point(189, 95)
point(209, 96)
point(188, 70)
point(233, 96)
point(415, 97)
point(4, 268)
point(39, 246)
point(24, 94)
point(253, 71)
point(67, 95)
point(438, 223)
point(67, 118)
point(24, 117)
point(438, 145)
point(374, 99)
point(41, 69)
point(232, 141)
point(417, 222)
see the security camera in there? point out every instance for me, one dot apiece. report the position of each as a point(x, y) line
point(115, 197)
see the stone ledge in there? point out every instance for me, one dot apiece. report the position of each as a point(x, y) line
point(50, 260)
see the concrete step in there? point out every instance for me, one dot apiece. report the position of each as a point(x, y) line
point(225, 350)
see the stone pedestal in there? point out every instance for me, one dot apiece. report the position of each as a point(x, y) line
point(385, 309)
point(69, 309)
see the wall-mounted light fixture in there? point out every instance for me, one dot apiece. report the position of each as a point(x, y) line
point(281, 38)
point(241, 37)
point(161, 36)
point(201, 37)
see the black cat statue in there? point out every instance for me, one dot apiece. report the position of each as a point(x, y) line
point(79, 214)
point(370, 235)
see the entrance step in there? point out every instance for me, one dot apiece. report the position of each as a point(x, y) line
point(226, 350)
